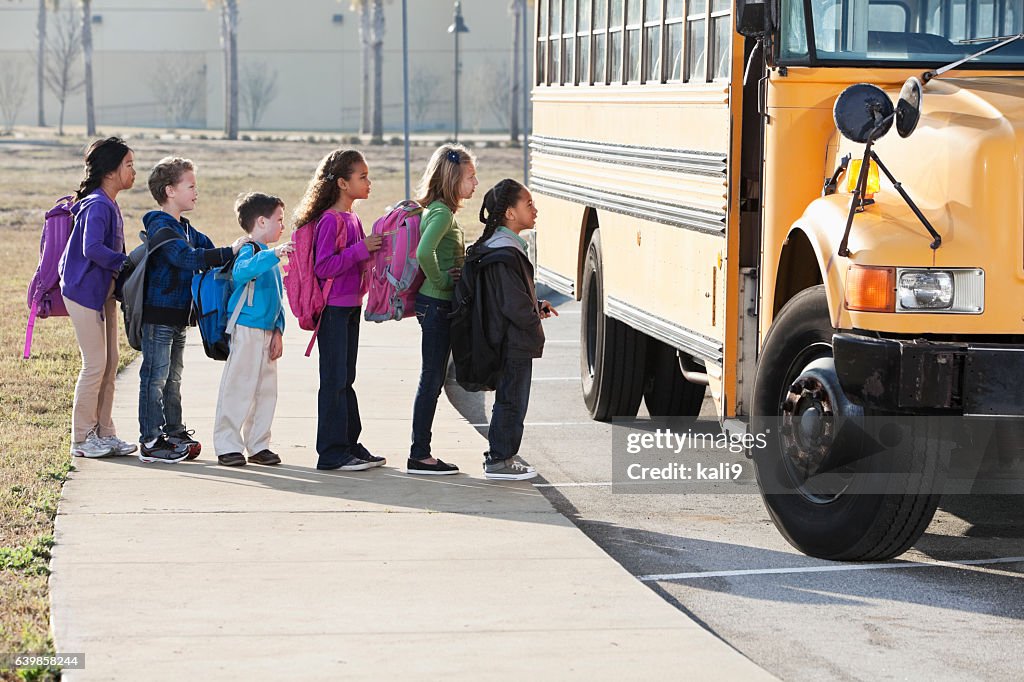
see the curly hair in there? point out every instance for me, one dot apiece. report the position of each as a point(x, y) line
point(497, 200)
point(443, 175)
point(102, 158)
point(166, 173)
point(323, 191)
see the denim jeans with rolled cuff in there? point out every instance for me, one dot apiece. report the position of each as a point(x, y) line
point(511, 400)
point(163, 358)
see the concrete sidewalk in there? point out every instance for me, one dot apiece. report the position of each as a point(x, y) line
point(200, 572)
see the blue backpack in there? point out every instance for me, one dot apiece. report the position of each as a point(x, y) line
point(211, 290)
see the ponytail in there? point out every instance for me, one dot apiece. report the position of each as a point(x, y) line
point(102, 158)
point(496, 202)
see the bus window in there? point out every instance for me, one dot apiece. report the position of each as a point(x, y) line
point(652, 42)
point(616, 16)
point(721, 35)
point(794, 31)
point(696, 23)
point(569, 40)
point(888, 16)
point(674, 40)
point(583, 38)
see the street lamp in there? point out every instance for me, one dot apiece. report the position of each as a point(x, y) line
point(458, 26)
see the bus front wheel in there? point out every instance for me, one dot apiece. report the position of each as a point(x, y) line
point(829, 492)
point(611, 353)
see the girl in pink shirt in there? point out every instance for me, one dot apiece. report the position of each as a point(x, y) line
point(342, 253)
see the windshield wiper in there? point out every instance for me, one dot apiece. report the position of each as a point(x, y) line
point(928, 75)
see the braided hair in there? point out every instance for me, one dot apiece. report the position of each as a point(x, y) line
point(101, 159)
point(497, 200)
point(323, 191)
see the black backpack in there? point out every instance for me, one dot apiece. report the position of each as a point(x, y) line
point(477, 362)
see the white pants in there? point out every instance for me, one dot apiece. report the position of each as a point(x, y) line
point(248, 394)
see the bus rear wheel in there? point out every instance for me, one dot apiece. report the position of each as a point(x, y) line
point(854, 512)
point(667, 393)
point(611, 353)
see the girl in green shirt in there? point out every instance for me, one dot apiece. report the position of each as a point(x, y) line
point(450, 178)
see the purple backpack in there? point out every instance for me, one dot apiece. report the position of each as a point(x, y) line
point(44, 298)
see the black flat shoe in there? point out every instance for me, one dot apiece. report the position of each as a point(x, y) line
point(265, 457)
point(415, 466)
point(232, 459)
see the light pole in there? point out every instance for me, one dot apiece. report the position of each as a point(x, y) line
point(458, 26)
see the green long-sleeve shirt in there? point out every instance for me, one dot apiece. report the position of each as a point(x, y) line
point(442, 246)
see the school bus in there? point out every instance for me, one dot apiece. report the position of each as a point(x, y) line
point(727, 232)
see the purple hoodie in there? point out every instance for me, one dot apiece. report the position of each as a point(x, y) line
point(342, 258)
point(95, 251)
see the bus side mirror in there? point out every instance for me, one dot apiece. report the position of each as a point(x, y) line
point(751, 18)
point(908, 107)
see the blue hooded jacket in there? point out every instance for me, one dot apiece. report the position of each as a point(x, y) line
point(168, 296)
point(95, 251)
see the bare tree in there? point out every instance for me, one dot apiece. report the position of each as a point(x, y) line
point(90, 106)
point(64, 47)
point(258, 88)
point(488, 93)
point(421, 94)
point(181, 89)
point(377, 40)
point(43, 7)
point(13, 90)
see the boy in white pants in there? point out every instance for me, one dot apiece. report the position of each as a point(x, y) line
point(248, 387)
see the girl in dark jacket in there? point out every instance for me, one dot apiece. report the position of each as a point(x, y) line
point(513, 322)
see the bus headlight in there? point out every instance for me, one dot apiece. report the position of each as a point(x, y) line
point(925, 289)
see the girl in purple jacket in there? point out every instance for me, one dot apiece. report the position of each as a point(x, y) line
point(342, 253)
point(91, 262)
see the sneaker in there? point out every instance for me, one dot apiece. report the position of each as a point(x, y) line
point(265, 457)
point(91, 447)
point(364, 454)
point(119, 447)
point(185, 438)
point(232, 459)
point(415, 466)
point(352, 464)
point(511, 469)
point(163, 451)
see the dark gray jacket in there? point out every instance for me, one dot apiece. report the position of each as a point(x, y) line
point(513, 315)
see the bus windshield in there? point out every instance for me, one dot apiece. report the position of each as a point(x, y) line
point(926, 33)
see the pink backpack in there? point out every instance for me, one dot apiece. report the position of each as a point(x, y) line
point(395, 275)
point(44, 297)
point(302, 288)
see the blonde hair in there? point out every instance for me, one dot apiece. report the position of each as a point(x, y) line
point(443, 176)
point(323, 191)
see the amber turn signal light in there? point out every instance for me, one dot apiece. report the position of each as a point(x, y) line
point(871, 289)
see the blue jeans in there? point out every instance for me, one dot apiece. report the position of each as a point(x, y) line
point(163, 353)
point(511, 399)
point(338, 425)
point(435, 347)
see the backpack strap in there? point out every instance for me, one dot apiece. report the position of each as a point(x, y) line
point(339, 242)
point(31, 326)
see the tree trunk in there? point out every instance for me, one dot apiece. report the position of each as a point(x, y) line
point(90, 103)
point(518, 13)
point(41, 63)
point(367, 57)
point(232, 104)
point(60, 124)
point(377, 132)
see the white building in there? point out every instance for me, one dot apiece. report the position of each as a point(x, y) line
point(145, 48)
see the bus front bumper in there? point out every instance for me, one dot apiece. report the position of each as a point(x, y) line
point(923, 376)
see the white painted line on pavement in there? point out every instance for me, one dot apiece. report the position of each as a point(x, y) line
point(544, 424)
point(420, 478)
point(572, 485)
point(550, 341)
point(830, 568)
point(575, 378)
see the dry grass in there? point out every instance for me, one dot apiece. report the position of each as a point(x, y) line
point(36, 395)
